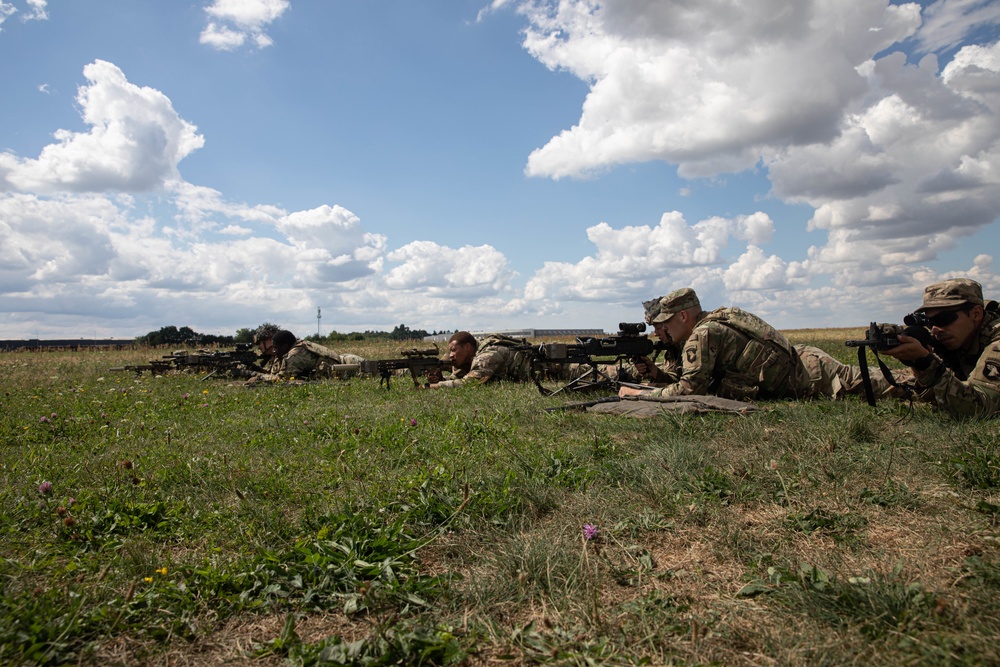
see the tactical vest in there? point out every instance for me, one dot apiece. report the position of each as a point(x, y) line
point(327, 360)
point(320, 351)
point(768, 367)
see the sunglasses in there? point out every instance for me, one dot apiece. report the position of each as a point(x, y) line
point(943, 319)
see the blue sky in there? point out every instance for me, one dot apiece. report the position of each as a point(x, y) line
point(489, 165)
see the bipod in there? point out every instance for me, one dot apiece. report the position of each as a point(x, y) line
point(592, 380)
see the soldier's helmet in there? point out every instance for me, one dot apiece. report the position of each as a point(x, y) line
point(949, 293)
point(264, 332)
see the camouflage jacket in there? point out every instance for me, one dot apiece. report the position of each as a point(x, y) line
point(966, 383)
point(734, 354)
point(499, 358)
point(308, 360)
point(670, 365)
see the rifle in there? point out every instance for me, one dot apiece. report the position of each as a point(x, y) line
point(882, 337)
point(156, 367)
point(242, 358)
point(416, 361)
point(627, 344)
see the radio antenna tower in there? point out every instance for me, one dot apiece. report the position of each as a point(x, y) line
point(318, 316)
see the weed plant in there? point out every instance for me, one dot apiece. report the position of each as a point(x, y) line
point(184, 520)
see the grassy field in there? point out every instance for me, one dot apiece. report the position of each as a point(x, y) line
point(176, 521)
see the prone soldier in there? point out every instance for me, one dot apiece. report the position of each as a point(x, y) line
point(304, 359)
point(960, 372)
point(497, 358)
point(734, 354)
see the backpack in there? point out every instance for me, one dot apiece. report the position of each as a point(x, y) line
point(503, 340)
point(768, 363)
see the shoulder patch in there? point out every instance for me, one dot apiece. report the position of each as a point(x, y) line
point(992, 371)
point(691, 354)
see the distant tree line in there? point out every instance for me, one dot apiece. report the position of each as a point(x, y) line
point(401, 332)
point(187, 336)
point(182, 336)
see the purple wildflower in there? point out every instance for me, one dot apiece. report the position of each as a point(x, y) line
point(44, 419)
point(590, 531)
point(413, 422)
point(45, 488)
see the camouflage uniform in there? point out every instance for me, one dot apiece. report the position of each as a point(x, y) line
point(501, 358)
point(265, 332)
point(735, 354)
point(310, 360)
point(498, 358)
point(964, 382)
point(832, 379)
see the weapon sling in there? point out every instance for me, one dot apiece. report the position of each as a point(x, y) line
point(866, 378)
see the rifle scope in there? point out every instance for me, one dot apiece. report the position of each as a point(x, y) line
point(631, 328)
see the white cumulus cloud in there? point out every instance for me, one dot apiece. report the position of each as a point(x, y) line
point(633, 262)
point(469, 271)
point(897, 157)
point(705, 85)
point(233, 22)
point(134, 144)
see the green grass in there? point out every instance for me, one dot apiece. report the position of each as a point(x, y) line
point(196, 522)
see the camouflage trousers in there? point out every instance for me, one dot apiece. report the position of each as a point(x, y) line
point(830, 378)
point(327, 370)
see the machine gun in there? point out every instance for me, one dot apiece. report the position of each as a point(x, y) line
point(628, 344)
point(882, 337)
point(231, 362)
point(417, 361)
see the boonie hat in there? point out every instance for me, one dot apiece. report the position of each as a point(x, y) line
point(955, 292)
point(652, 308)
point(264, 332)
point(675, 302)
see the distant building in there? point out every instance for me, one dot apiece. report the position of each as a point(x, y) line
point(66, 344)
point(525, 333)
